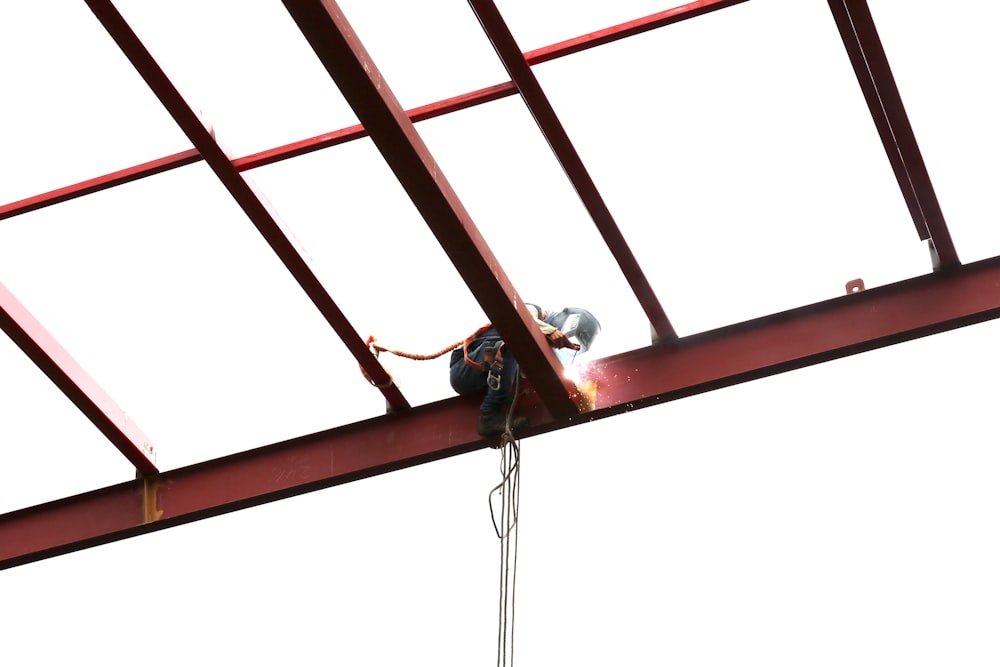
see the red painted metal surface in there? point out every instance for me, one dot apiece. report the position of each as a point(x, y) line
point(349, 65)
point(627, 29)
point(865, 319)
point(850, 324)
point(267, 222)
point(92, 185)
point(555, 134)
point(440, 108)
point(864, 47)
point(347, 134)
point(76, 383)
point(820, 332)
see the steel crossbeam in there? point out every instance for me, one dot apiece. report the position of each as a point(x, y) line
point(245, 193)
point(871, 66)
point(641, 378)
point(576, 171)
point(951, 297)
point(344, 135)
point(53, 360)
point(349, 65)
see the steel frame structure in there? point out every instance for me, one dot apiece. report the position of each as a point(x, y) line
point(950, 296)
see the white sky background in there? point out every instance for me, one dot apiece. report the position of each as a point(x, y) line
point(841, 514)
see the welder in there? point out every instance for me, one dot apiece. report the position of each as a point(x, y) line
point(484, 364)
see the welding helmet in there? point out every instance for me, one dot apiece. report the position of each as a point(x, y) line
point(579, 325)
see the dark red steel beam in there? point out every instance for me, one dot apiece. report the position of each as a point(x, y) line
point(245, 193)
point(440, 108)
point(785, 341)
point(349, 65)
point(53, 360)
point(871, 66)
point(555, 134)
point(855, 323)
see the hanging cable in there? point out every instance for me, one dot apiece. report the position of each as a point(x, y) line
point(508, 491)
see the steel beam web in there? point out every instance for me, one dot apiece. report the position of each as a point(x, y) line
point(242, 189)
point(641, 378)
point(336, 45)
point(871, 65)
point(78, 386)
point(562, 147)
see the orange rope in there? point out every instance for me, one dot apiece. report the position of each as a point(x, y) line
point(375, 349)
point(417, 357)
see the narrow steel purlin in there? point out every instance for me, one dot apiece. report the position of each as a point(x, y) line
point(92, 185)
point(867, 55)
point(349, 65)
point(440, 108)
point(627, 29)
point(777, 343)
point(75, 383)
point(245, 193)
point(552, 129)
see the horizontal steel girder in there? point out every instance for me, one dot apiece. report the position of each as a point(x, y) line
point(785, 341)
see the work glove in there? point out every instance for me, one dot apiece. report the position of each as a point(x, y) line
point(558, 339)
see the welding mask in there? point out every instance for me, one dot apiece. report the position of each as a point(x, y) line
point(580, 326)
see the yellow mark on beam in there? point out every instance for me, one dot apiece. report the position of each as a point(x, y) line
point(150, 499)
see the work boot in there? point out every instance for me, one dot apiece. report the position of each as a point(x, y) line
point(495, 423)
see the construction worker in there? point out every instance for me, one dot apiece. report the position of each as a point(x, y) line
point(485, 364)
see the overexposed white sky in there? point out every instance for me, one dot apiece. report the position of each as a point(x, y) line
point(840, 514)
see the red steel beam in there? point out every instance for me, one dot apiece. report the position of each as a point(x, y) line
point(627, 29)
point(871, 66)
point(346, 134)
point(555, 134)
point(245, 193)
point(319, 142)
point(349, 65)
point(53, 360)
point(99, 183)
point(777, 343)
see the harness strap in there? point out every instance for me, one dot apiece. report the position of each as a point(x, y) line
point(491, 353)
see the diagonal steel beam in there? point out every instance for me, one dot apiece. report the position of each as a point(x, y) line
point(555, 134)
point(242, 189)
point(337, 46)
point(871, 66)
point(344, 135)
point(774, 344)
point(53, 360)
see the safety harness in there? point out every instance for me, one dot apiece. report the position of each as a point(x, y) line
point(492, 357)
